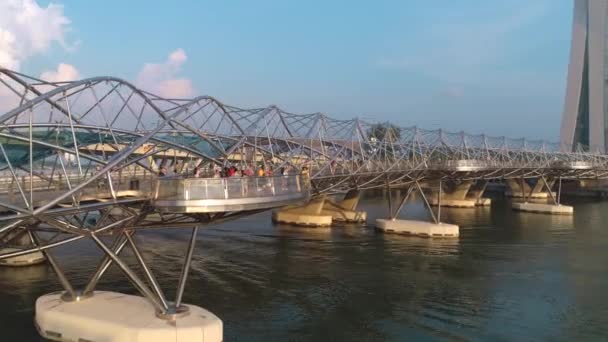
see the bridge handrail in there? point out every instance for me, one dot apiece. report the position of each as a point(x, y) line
point(192, 189)
point(460, 162)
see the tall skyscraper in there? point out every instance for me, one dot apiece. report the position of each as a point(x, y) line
point(585, 118)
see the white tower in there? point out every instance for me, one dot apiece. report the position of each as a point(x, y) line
point(585, 117)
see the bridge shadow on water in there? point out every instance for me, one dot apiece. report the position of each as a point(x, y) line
point(509, 276)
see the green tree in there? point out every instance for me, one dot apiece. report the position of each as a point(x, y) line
point(380, 131)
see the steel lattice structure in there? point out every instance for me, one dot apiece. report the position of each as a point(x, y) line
point(70, 151)
point(86, 131)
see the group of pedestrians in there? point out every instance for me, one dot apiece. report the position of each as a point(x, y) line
point(233, 171)
point(250, 178)
point(248, 171)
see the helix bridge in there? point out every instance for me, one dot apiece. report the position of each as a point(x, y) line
point(81, 160)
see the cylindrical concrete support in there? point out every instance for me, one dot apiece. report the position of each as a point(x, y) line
point(323, 212)
point(111, 316)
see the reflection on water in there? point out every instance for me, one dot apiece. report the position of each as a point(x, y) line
point(509, 276)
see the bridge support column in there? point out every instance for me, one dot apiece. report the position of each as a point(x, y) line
point(519, 188)
point(476, 194)
point(345, 211)
point(417, 228)
point(555, 208)
point(15, 241)
point(111, 316)
point(307, 215)
point(453, 195)
point(322, 212)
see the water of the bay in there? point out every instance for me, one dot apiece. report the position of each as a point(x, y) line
point(510, 276)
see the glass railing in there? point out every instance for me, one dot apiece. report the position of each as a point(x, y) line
point(192, 189)
point(460, 163)
point(59, 182)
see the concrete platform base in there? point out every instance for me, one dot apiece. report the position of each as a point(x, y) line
point(452, 203)
point(483, 202)
point(535, 195)
point(22, 260)
point(418, 228)
point(301, 219)
point(544, 208)
point(116, 317)
point(342, 215)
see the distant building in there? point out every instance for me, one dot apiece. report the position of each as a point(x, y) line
point(585, 117)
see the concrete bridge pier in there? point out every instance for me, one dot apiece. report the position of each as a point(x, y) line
point(553, 208)
point(476, 192)
point(90, 315)
point(453, 194)
point(520, 188)
point(322, 212)
point(15, 241)
point(432, 229)
point(465, 194)
point(345, 211)
point(309, 215)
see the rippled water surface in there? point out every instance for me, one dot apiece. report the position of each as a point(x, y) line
point(510, 276)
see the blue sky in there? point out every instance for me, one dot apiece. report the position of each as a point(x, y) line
point(494, 67)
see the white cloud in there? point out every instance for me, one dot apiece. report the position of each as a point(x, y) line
point(27, 29)
point(177, 57)
point(64, 72)
point(161, 78)
point(175, 89)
